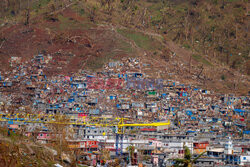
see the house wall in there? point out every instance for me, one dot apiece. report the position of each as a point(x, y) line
point(177, 147)
point(245, 160)
point(157, 143)
point(43, 136)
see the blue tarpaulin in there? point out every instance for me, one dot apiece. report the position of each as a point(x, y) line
point(246, 132)
point(193, 118)
point(171, 109)
point(71, 100)
point(189, 113)
point(190, 131)
point(112, 97)
point(239, 110)
point(10, 122)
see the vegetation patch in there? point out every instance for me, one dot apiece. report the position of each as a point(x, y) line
point(69, 23)
point(40, 3)
point(186, 46)
point(141, 40)
point(126, 47)
point(201, 59)
point(122, 48)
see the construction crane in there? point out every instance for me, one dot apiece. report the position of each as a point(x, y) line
point(71, 120)
point(117, 122)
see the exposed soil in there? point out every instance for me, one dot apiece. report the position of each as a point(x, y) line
point(69, 46)
point(77, 42)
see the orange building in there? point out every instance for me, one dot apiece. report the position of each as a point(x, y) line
point(200, 147)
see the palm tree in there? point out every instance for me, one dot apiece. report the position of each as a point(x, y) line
point(131, 150)
point(187, 161)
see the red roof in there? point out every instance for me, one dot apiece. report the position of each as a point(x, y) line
point(93, 146)
point(148, 129)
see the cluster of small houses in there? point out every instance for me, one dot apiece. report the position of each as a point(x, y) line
point(200, 119)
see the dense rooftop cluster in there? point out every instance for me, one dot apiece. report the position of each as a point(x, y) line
point(200, 119)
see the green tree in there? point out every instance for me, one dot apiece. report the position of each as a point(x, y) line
point(187, 161)
point(131, 150)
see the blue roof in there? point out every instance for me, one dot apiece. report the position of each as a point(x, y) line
point(10, 122)
point(188, 112)
point(239, 110)
point(190, 131)
point(246, 132)
point(193, 118)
